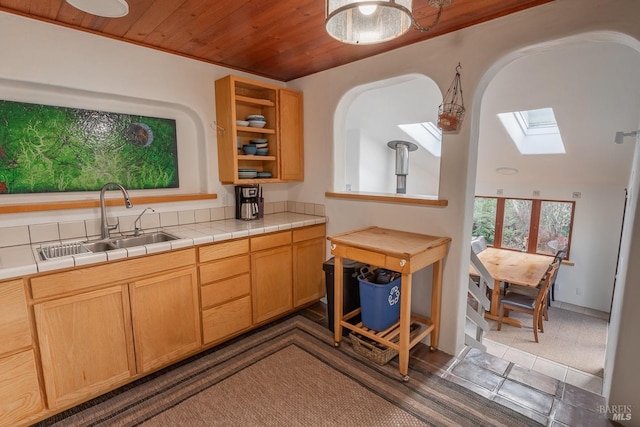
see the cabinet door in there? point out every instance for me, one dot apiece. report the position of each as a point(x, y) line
point(291, 135)
point(308, 275)
point(14, 318)
point(85, 343)
point(19, 388)
point(166, 320)
point(271, 283)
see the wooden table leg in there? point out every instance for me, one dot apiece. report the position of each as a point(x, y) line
point(495, 298)
point(494, 314)
point(405, 324)
point(337, 299)
point(436, 297)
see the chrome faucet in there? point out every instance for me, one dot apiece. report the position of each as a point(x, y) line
point(105, 227)
point(138, 228)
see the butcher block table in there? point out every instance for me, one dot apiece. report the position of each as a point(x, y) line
point(515, 267)
point(399, 251)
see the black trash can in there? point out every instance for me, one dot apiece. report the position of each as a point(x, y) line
point(350, 289)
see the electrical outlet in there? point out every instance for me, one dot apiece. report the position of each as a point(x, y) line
point(536, 193)
point(578, 291)
point(499, 191)
point(577, 194)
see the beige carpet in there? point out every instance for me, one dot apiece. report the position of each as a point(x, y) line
point(289, 374)
point(570, 338)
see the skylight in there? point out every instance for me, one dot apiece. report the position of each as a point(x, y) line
point(534, 131)
point(426, 134)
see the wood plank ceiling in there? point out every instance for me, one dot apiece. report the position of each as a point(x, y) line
point(283, 39)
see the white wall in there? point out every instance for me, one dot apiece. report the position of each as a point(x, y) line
point(59, 66)
point(482, 50)
point(621, 373)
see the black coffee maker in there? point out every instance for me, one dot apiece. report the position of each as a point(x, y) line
point(248, 202)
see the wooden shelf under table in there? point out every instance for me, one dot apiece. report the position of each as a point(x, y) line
point(387, 336)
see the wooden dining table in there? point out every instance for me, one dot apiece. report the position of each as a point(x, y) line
point(515, 267)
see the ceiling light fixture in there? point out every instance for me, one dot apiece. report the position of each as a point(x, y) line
point(105, 8)
point(507, 171)
point(369, 22)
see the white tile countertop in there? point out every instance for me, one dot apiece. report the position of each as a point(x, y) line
point(22, 260)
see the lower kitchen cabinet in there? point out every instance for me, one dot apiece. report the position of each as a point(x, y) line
point(271, 276)
point(225, 290)
point(20, 394)
point(166, 318)
point(19, 388)
point(308, 257)
point(85, 344)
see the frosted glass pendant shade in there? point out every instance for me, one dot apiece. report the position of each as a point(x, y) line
point(367, 22)
point(106, 8)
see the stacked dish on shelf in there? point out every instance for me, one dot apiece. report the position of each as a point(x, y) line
point(264, 174)
point(256, 121)
point(247, 173)
point(262, 146)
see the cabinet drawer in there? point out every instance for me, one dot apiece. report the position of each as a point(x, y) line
point(227, 319)
point(223, 250)
point(117, 272)
point(270, 241)
point(222, 269)
point(14, 318)
point(308, 233)
point(225, 290)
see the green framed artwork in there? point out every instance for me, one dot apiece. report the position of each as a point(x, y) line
point(45, 149)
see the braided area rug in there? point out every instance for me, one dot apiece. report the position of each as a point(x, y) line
point(288, 374)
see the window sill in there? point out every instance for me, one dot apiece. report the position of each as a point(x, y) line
point(83, 204)
point(410, 199)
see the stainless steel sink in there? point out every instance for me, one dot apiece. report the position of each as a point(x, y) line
point(96, 246)
point(145, 239)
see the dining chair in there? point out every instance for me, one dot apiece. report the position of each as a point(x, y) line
point(527, 290)
point(534, 305)
point(478, 244)
point(560, 255)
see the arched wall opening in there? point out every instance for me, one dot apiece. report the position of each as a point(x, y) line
point(367, 118)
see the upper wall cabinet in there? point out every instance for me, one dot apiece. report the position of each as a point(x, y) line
point(239, 98)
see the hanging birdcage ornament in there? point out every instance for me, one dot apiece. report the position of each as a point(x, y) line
point(451, 111)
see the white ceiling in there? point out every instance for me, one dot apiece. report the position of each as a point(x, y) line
point(594, 90)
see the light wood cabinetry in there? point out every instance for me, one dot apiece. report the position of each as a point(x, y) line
point(291, 135)
point(99, 327)
point(166, 318)
point(94, 323)
point(225, 289)
point(271, 275)
point(85, 344)
point(237, 98)
point(20, 394)
point(308, 257)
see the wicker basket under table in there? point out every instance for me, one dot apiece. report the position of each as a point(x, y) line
point(375, 351)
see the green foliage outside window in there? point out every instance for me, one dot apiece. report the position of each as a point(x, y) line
point(484, 218)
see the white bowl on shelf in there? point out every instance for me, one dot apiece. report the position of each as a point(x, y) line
point(242, 122)
point(257, 123)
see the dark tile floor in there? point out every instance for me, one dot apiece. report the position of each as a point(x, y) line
point(537, 396)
